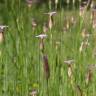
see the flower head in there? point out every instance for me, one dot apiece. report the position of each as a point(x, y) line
point(2, 27)
point(51, 13)
point(69, 62)
point(41, 36)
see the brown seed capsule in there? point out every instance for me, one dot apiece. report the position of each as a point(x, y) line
point(46, 67)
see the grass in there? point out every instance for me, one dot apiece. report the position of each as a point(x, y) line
point(21, 63)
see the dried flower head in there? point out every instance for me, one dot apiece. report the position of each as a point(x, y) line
point(33, 93)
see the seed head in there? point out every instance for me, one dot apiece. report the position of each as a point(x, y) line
point(41, 36)
point(51, 13)
point(69, 62)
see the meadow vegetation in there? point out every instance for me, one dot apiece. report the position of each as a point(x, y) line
point(47, 51)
